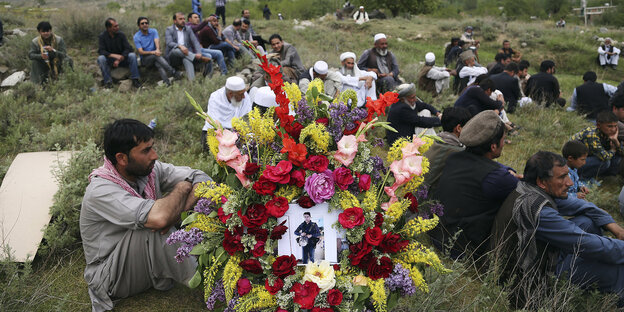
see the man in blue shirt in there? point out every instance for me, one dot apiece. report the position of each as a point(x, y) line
point(197, 8)
point(532, 236)
point(147, 44)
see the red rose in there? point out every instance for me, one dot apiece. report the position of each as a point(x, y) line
point(374, 236)
point(336, 267)
point(251, 266)
point(280, 173)
point(258, 250)
point(251, 169)
point(232, 243)
point(364, 182)
point(379, 219)
point(392, 243)
point(317, 309)
point(414, 202)
point(334, 297)
point(279, 230)
point(324, 121)
point(358, 251)
point(305, 201)
point(277, 206)
point(263, 186)
point(343, 178)
point(305, 294)
point(243, 286)
point(284, 266)
point(277, 286)
point(317, 163)
point(255, 216)
point(383, 269)
point(297, 177)
point(222, 216)
point(351, 217)
point(281, 310)
point(260, 234)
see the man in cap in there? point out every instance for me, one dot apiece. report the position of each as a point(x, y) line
point(472, 187)
point(262, 98)
point(434, 79)
point(608, 54)
point(332, 81)
point(289, 58)
point(471, 69)
point(226, 103)
point(184, 48)
point(382, 62)
point(360, 17)
point(410, 115)
point(468, 38)
point(363, 82)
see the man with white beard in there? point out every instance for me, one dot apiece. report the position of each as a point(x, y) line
point(332, 81)
point(382, 62)
point(226, 103)
point(363, 82)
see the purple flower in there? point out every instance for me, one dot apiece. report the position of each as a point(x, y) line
point(378, 168)
point(232, 304)
point(320, 186)
point(188, 239)
point(218, 293)
point(437, 209)
point(304, 113)
point(378, 142)
point(422, 192)
point(203, 206)
point(400, 280)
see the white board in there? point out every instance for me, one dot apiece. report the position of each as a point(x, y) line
point(26, 196)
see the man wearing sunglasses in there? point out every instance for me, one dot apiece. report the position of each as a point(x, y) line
point(147, 43)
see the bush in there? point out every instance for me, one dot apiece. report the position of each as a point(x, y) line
point(77, 26)
point(14, 53)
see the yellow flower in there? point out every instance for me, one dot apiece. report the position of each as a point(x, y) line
point(347, 200)
point(417, 253)
point(210, 274)
point(378, 294)
point(242, 128)
point(213, 143)
point(262, 126)
point(293, 93)
point(360, 280)
point(347, 95)
point(319, 136)
point(369, 203)
point(213, 191)
point(428, 142)
point(419, 225)
point(395, 152)
point(288, 191)
point(416, 276)
point(206, 224)
point(396, 210)
point(231, 274)
point(257, 299)
point(318, 83)
point(321, 274)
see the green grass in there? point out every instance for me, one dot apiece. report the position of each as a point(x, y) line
point(69, 115)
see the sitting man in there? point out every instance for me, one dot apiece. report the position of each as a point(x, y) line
point(470, 70)
point(540, 230)
point(47, 54)
point(472, 188)
point(147, 43)
point(246, 35)
point(115, 51)
point(605, 150)
point(608, 54)
point(434, 79)
point(507, 83)
point(292, 67)
point(332, 81)
point(363, 82)
point(226, 103)
point(183, 47)
point(125, 219)
point(468, 38)
point(383, 63)
point(360, 16)
point(500, 61)
point(410, 115)
point(453, 120)
point(515, 56)
point(232, 36)
point(194, 23)
point(258, 40)
point(211, 37)
point(543, 87)
point(447, 49)
point(476, 98)
point(591, 97)
point(452, 58)
point(617, 107)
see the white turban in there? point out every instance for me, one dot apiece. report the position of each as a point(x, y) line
point(430, 57)
point(321, 68)
point(265, 97)
point(347, 55)
point(379, 36)
point(361, 7)
point(235, 83)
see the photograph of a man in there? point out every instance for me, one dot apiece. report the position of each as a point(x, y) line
point(309, 231)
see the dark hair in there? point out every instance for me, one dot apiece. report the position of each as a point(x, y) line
point(574, 149)
point(176, 14)
point(189, 15)
point(246, 22)
point(512, 67)
point(499, 57)
point(124, 134)
point(487, 84)
point(523, 64)
point(546, 65)
point(590, 76)
point(617, 100)
point(606, 116)
point(486, 147)
point(236, 22)
point(307, 213)
point(453, 116)
point(275, 36)
point(540, 166)
point(140, 19)
point(44, 26)
point(454, 39)
point(480, 78)
point(505, 41)
point(461, 42)
point(108, 23)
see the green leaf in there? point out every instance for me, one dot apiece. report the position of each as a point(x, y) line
point(393, 300)
point(198, 250)
point(196, 280)
point(204, 260)
point(358, 289)
point(387, 127)
point(190, 219)
point(213, 214)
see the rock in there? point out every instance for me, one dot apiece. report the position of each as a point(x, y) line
point(307, 23)
point(122, 10)
point(581, 32)
point(7, 6)
point(120, 73)
point(296, 21)
point(419, 36)
point(18, 32)
point(601, 39)
point(298, 27)
point(125, 85)
point(246, 72)
point(161, 83)
point(524, 44)
point(3, 69)
point(8, 92)
point(14, 79)
point(595, 37)
point(399, 39)
point(603, 30)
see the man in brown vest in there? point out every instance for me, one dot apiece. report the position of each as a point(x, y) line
point(382, 62)
point(434, 79)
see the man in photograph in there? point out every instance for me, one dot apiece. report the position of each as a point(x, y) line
point(311, 232)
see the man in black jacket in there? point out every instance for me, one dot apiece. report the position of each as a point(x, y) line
point(507, 83)
point(476, 98)
point(115, 51)
point(591, 97)
point(410, 113)
point(543, 87)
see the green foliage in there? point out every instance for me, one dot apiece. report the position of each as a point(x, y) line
point(77, 26)
point(613, 17)
point(180, 6)
point(404, 6)
point(113, 5)
point(14, 52)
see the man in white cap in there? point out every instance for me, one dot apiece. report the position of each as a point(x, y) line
point(410, 115)
point(363, 82)
point(608, 54)
point(360, 16)
point(332, 81)
point(382, 62)
point(434, 79)
point(262, 98)
point(226, 103)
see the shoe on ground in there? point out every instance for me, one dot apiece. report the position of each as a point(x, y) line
point(177, 75)
point(136, 83)
point(107, 85)
point(614, 67)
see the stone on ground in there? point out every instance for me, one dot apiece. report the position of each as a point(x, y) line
point(14, 79)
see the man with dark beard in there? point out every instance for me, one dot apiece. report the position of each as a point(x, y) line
point(125, 220)
point(382, 62)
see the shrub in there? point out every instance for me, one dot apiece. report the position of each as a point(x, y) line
point(14, 53)
point(76, 26)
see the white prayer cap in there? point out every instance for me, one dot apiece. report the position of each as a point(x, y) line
point(361, 7)
point(609, 39)
point(430, 57)
point(379, 36)
point(265, 97)
point(235, 84)
point(321, 68)
point(347, 55)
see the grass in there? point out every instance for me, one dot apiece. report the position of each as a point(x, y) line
point(69, 114)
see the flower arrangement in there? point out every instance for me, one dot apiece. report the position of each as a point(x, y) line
point(321, 155)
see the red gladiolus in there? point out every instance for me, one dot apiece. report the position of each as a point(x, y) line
point(296, 152)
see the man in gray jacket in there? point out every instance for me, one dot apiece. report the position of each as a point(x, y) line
point(183, 47)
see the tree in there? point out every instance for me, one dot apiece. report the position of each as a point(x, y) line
point(401, 6)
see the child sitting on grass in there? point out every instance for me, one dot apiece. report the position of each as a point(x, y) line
point(575, 152)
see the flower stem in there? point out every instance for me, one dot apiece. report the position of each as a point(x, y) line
point(382, 185)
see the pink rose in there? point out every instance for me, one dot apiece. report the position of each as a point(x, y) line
point(320, 186)
point(347, 148)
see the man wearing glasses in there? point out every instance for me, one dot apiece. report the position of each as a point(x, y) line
point(147, 43)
